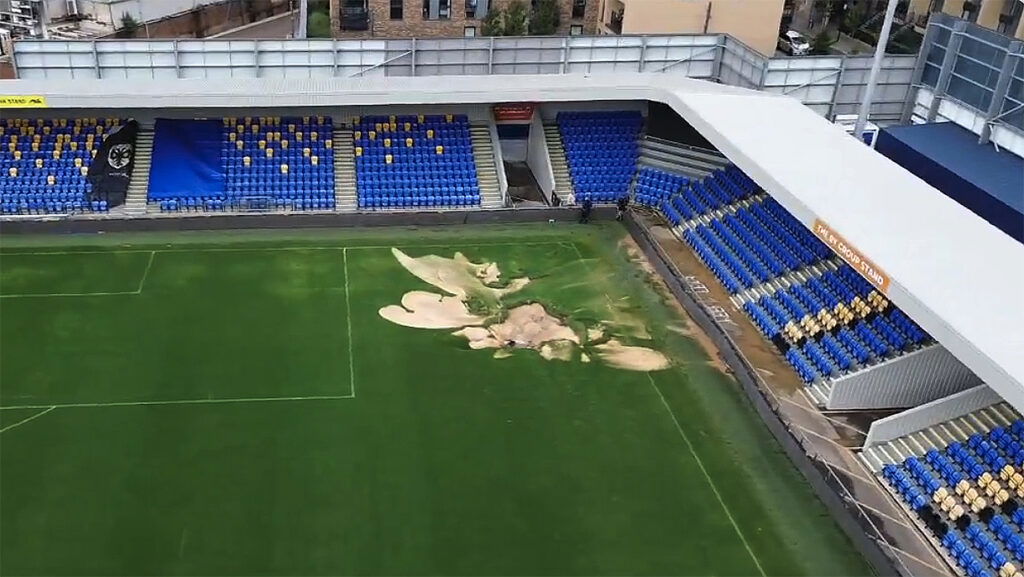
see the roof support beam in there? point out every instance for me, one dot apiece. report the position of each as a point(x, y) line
point(952, 49)
point(1013, 52)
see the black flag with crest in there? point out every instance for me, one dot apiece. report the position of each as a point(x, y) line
point(111, 169)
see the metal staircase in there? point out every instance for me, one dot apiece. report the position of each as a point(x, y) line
point(486, 170)
point(345, 198)
point(559, 163)
point(135, 203)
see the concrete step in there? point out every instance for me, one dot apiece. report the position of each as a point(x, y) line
point(345, 197)
point(135, 204)
point(487, 172)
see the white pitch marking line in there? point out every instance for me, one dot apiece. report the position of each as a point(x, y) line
point(453, 244)
point(145, 274)
point(181, 402)
point(711, 482)
point(40, 295)
point(23, 421)
point(348, 320)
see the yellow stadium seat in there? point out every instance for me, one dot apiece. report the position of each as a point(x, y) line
point(328, 144)
point(392, 126)
point(408, 126)
point(313, 135)
point(359, 151)
point(39, 163)
point(232, 136)
point(373, 135)
point(246, 161)
point(447, 117)
point(84, 170)
point(284, 168)
point(270, 153)
point(35, 147)
point(51, 180)
point(12, 171)
point(355, 120)
point(78, 162)
point(356, 135)
point(388, 159)
point(262, 144)
point(392, 118)
point(298, 136)
point(17, 155)
point(314, 160)
point(420, 118)
point(430, 133)
point(387, 143)
point(408, 143)
point(376, 126)
point(47, 130)
point(239, 144)
point(439, 149)
point(305, 151)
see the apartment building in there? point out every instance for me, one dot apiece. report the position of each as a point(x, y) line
point(1003, 16)
point(442, 18)
point(753, 22)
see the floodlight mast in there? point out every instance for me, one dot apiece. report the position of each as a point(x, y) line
point(876, 66)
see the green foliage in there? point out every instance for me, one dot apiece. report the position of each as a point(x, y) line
point(854, 19)
point(493, 24)
point(318, 25)
point(821, 43)
point(545, 18)
point(516, 19)
point(129, 26)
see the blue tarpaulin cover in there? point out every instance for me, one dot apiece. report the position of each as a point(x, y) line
point(186, 159)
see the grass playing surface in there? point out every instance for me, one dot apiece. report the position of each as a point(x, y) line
point(232, 403)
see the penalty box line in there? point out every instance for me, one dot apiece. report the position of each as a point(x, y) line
point(137, 291)
point(51, 406)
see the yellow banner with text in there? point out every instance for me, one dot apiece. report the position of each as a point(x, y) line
point(22, 101)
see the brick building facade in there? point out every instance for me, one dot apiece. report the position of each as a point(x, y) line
point(441, 18)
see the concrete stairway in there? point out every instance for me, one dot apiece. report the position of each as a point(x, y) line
point(487, 172)
point(344, 171)
point(679, 158)
point(559, 164)
point(138, 187)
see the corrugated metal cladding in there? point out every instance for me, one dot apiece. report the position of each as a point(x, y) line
point(828, 85)
point(929, 414)
point(907, 381)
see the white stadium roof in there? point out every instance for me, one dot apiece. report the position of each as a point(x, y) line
point(960, 278)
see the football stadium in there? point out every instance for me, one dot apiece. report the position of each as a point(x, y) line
point(584, 306)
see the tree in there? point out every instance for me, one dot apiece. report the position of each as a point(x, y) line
point(493, 23)
point(129, 25)
point(515, 19)
point(318, 25)
point(821, 43)
point(545, 18)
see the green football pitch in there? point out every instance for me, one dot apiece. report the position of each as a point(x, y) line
point(233, 403)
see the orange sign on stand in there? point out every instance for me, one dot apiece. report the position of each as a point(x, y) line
point(860, 263)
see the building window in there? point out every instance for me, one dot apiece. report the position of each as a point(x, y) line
point(471, 8)
point(575, 30)
point(396, 9)
point(469, 31)
point(444, 10)
point(579, 8)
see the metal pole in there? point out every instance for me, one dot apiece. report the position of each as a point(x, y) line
point(876, 66)
point(300, 25)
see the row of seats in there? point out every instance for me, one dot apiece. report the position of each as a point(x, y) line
point(193, 204)
point(977, 486)
point(601, 149)
point(44, 164)
point(826, 326)
point(414, 161)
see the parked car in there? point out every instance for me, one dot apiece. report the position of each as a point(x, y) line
point(794, 43)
